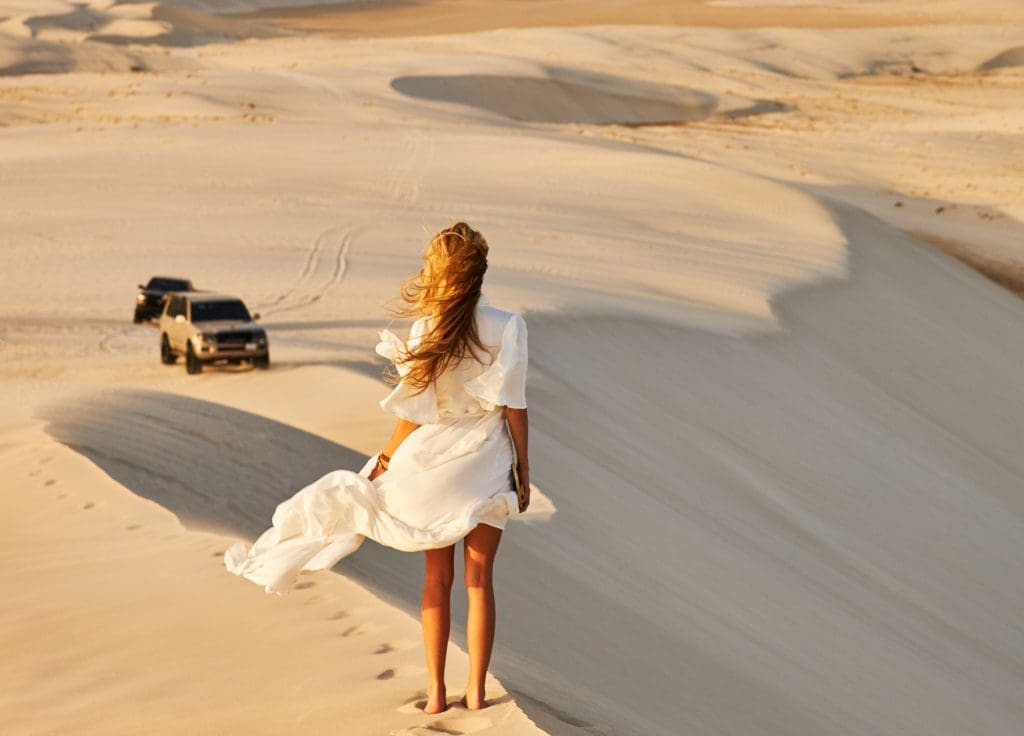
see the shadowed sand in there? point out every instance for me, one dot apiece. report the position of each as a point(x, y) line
point(214, 467)
point(562, 100)
point(747, 528)
point(1004, 60)
point(1007, 273)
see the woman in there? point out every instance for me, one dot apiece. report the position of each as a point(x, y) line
point(444, 475)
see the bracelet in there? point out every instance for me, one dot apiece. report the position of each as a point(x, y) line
point(385, 458)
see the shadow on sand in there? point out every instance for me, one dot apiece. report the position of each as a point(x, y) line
point(217, 468)
point(213, 466)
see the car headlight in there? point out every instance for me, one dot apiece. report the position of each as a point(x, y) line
point(140, 298)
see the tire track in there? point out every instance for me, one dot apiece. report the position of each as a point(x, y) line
point(312, 256)
point(405, 187)
point(106, 342)
point(308, 289)
point(340, 266)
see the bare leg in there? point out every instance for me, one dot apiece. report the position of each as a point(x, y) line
point(437, 621)
point(481, 545)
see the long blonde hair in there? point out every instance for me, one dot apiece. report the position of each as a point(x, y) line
point(447, 289)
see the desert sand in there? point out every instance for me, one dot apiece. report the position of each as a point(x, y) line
point(776, 431)
point(384, 18)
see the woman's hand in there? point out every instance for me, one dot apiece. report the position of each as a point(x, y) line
point(402, 430)
point(518, 427)
point(524, 478)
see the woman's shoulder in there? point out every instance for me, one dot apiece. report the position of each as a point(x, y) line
point(503, 329)
point(494, 321)
point(492, 312)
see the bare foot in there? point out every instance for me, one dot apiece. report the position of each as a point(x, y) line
point(473, 700)
point(436, 701)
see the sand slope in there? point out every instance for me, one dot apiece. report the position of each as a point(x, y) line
point(780, 433)
point(117, 619)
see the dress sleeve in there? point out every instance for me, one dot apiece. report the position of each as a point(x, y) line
point(392, 347)
point(503, 382)
point(403, 402)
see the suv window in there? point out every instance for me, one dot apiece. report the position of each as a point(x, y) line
point(233, 310)
point(162, 284)
point(176, 307)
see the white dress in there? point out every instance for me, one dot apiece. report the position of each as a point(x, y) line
point(450, 474)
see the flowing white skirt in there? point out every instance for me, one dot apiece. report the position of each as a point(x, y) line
point(442, 481)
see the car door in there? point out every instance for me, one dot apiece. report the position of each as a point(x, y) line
point(167, 319)
point(177, 331)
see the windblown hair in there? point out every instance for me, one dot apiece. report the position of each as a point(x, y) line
point(447, 289)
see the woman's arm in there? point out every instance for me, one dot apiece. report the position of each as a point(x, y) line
point(402, 430)
point(518, 425)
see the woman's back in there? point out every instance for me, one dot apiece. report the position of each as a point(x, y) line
point(463, 389)
point(473, 386)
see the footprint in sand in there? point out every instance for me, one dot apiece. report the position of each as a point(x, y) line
point(133, 527)
point(219, 553)
point(415, 704)
point(303, 586)
point(44, 460)
point(362, 630)
point(88, 505)
point(34, 473)
point(338, 615)
point(402, 671)
point(395, 646)
point(50, 482)
point(453, 726)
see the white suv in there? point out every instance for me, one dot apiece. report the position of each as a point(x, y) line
point(210, 328)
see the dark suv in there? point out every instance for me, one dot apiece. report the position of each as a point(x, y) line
point(149, 302)
point(210, 328)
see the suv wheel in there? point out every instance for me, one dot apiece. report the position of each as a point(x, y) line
point(261, 362)
point(192, 364)
point(167, 356)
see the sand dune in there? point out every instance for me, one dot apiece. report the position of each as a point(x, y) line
point(433, 17)
point(159, 445)
point(767, 478)
point(63, 37)
point(556, 100)
point(818, 544)
point(781, 434)
point(118, 620)
point(20, 56)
